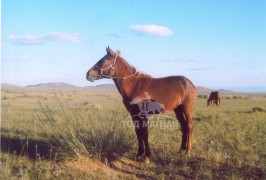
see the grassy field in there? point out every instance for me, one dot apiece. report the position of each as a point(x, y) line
point(83, 134)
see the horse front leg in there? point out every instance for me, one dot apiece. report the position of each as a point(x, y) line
point(141, 128)
point(140, 140)
point(216, 102)
point(146, 142)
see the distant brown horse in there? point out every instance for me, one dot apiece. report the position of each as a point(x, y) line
point(214, 98)
point(143, 94)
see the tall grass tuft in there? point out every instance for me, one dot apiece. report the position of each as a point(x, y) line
point(75, 134)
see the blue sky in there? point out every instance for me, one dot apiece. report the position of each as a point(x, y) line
point(216, 44)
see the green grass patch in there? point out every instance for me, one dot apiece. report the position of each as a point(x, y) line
point(43, 131)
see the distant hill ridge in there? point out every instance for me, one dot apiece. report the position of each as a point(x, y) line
point(52, 85)
point(9, 86)
point(107, 87)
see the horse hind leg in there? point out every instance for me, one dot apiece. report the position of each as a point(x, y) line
point(188, 115)
point(180, 117)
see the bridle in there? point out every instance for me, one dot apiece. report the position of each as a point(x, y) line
point(112, 68)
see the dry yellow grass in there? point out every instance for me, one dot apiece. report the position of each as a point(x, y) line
point(80, 134)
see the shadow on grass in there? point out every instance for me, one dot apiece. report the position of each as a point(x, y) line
point(178, 167)
point(33, 149)
point(38, 149)
point(124, 166)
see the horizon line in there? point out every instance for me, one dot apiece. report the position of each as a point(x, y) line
point(249, 89)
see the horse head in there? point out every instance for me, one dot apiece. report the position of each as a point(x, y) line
point(105, 67)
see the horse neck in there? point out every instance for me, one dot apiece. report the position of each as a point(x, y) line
point(124, 70)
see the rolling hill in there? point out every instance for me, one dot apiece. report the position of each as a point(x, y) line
point(103, 87)
point(58, 85)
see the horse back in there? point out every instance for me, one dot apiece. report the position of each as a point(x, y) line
point(215, 95)
point(170, 91)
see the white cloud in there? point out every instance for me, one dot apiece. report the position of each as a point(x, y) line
point(61, 36)
point(154, 30)
point(39, 40)
point(26, 40)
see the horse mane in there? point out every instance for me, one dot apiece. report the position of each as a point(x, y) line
point(138, 73)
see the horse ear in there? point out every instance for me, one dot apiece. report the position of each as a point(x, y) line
point(110, 51)
point(118, 53)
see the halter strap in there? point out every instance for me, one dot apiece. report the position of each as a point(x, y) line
point(112, 66)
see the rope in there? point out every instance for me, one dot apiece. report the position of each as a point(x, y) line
point(113, 67)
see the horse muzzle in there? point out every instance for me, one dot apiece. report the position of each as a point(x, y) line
point(92, 75)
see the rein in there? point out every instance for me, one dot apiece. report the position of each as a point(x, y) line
point(112, 68)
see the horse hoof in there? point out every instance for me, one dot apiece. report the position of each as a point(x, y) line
point(138, 158)
point(182, 152)
point(147, 160)
point(188, 153)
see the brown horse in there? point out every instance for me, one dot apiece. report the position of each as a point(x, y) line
point(214, 98)
point(142, 95)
